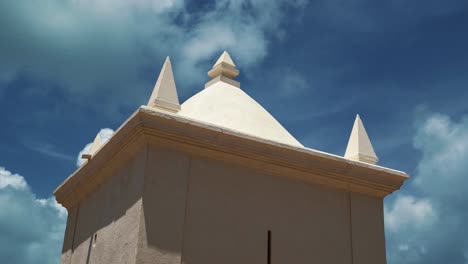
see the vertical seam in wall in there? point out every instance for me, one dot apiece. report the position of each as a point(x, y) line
point(350, 226)
point(74, 231)
point(184, 227)
point(383, 227)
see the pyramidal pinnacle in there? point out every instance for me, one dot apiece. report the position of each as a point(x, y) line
point(164, 94)
point(224, 70)
point(359, 145)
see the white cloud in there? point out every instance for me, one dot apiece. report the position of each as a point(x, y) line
point(13, 180)
point(409, 212)
point(444, 145)
point(156, 6)
point(431, 229)
point(403, 247)
point(31, 229)
point(98, 49)
point(105, 134)
point(52, 203)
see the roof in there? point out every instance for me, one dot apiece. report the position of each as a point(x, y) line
point(225, 105)
point(222, 122)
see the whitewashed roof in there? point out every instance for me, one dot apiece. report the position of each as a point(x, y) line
point(224, 104)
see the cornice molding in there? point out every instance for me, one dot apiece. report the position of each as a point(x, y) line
point(148, 126)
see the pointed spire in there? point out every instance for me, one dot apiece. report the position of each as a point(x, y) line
point(94, 147)
point(96, 144)
point(226, 59)
point(359, 145)
point(164, 94)
point(223, 70)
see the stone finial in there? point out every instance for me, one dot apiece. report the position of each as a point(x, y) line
point(94, 147)
point(223, 70)
point(226, 58)
point(96, 144)
point(164, 94)
point(359, 145)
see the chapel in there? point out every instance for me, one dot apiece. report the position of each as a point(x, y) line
point(217, 179)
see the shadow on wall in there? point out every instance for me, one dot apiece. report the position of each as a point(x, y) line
point(164, 199)
point(110, 212)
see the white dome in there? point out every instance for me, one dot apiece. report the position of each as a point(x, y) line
point(227, 106)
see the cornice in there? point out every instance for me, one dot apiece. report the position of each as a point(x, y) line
point(165, 129)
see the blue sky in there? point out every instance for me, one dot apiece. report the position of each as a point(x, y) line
point(70, 68)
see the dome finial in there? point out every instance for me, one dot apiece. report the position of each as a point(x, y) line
point(223, 70)
point(225, 58)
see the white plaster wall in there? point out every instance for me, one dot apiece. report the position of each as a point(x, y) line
point(230, 210)
point(164, 198)
point(368, 229)
point(166, 206)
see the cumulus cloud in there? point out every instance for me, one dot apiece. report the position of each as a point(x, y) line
point(430, 227)
point(105, 134)
point(31, 229)
point(444, 146)
point(98, 49)
point(8, 179)
point(409, 212)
